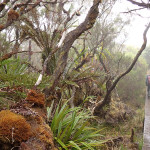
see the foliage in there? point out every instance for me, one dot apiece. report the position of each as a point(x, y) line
point(72, 129)
point(13, 73)
point(4, 44)
point(15, 79)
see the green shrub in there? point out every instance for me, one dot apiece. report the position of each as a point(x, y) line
point(14, 75)
point(72, 130)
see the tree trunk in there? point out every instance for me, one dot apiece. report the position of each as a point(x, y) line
point(51, 63)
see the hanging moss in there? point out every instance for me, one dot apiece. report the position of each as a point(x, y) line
point(13, 127)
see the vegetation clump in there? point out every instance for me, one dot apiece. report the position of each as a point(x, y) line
point(13, 127)
point(37, 98)
point(118, 112)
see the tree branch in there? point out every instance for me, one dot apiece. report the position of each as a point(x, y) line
point(133, 10)
point(9, 22)
point(31, 66)
point(145, 5)
point(9, 55)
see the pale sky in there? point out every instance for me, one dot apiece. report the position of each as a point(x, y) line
point(136, 29)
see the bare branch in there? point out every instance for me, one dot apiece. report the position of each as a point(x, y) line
point(145, 5)
point(133, 10)
point(31, 66)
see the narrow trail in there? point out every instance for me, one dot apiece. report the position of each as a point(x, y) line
point(146, 135)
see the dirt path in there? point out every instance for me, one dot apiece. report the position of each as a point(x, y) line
point(146, 135)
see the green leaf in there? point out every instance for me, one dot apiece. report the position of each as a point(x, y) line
point(87, 145)
point(79, 131)
point(71, 83)
point(75, 145)
point(64, 133)
point(67, 137)
point(71, 130)
point(61, 143)
point(59, 129)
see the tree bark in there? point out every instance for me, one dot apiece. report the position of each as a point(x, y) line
point(100, 105)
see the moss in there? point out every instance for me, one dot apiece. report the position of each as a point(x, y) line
point(36, 98)
point(39, 120)
point(45, 134)
point(12, 15)
point(13, 127)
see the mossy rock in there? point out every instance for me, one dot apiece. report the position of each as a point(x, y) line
point(13, 127)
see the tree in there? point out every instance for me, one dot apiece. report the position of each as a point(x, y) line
point(106, 98)
point(68, 41)
point(23, 8)
point(103, 41)
point(48, 33)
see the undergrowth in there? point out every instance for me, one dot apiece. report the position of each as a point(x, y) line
point(72, 129)
point(124, 130)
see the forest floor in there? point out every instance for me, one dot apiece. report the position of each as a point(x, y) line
point(127, 135)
